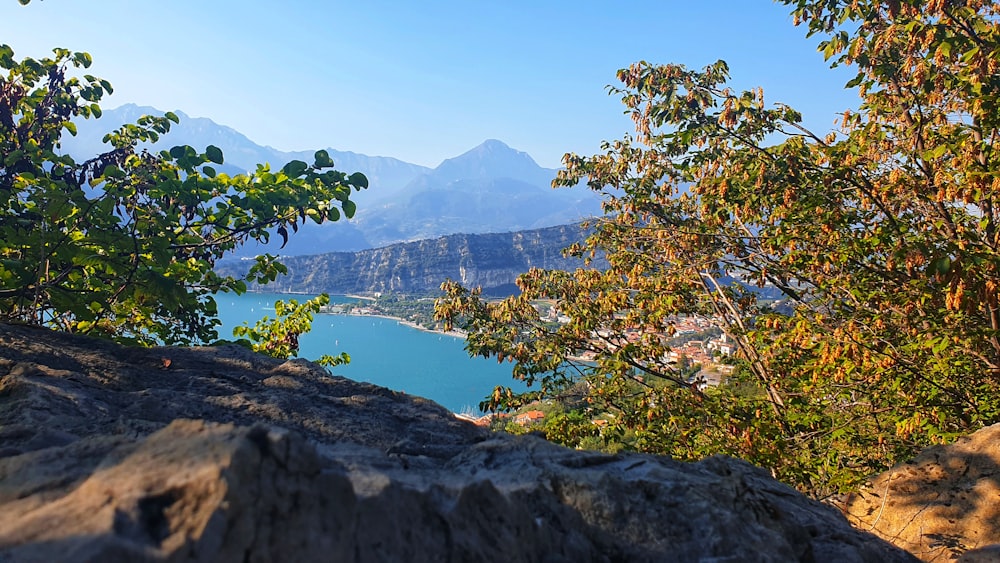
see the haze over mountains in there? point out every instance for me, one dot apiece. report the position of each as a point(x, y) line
point(491, 188)
point(241, 153)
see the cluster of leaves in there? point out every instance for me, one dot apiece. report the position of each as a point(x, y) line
point(882, 238)
point(123, 244)
point(279, 338)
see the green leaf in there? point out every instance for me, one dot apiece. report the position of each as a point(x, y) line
point(295, 168)
point(970, 54)
point(854, 82)
point(936, 152)
point(83, 59)
point(358, 179)
point(939, 266)
point(284, 235)
point(214, 154)
point(323, 159)
point(6, 56)
point(139, 249)
point(349, 208)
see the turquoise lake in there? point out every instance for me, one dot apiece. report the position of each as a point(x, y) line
point(383, 352)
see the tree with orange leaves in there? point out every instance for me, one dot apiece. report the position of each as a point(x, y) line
point(881, 239)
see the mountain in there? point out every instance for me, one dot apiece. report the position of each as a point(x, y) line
point(242, 154)
point(490, 188)
point(386, 175)
point(491, 159)
point(492, 261)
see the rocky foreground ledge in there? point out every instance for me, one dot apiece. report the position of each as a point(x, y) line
point(218, 454)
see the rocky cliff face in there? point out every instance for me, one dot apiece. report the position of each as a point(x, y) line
point(217, 454)
point(491, 261)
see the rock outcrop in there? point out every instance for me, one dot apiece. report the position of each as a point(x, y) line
point(217, 454)
point(943, 504)
point(491, 261)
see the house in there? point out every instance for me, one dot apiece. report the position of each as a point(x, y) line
point(529, 417)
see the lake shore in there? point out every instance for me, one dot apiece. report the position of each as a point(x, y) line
point(456, 333)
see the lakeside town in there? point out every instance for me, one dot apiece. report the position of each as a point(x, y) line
point(698, 345)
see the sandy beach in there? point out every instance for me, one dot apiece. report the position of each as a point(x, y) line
point(457, 333)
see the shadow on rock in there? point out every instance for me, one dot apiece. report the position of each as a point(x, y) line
point(942, 504)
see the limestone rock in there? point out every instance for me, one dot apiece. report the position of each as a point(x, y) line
point(116, 454)
point(943, 503)
point(491, 261)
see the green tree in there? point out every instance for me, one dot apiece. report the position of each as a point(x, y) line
point(279, 338)
point(881, 236)
point(123, 244)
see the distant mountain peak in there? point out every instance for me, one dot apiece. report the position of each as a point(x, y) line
point(494, 145)
point(492, 159)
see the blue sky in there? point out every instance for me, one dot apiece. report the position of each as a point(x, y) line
point(422, 81)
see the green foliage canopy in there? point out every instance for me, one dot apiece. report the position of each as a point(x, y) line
point(279, 337)
point(881, 236)
point(123, 244)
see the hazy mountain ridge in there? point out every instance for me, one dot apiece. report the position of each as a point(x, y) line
point(492, 261)
point(491, 159)
point(473, 206)
point(490, 188)
point(240, 152)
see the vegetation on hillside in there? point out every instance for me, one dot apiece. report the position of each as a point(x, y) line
point(882, 237)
